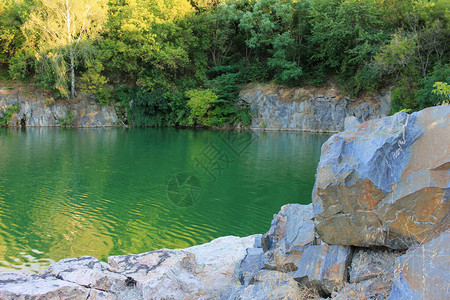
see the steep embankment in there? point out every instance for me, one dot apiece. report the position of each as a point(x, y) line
point(273, 107)
point(310, 109)
point(25, 106)
point(378, 227)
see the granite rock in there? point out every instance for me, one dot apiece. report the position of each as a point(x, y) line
point(280, 108)
point(291, 229)
point(204, 271)
point(324, 267)
point(371, 263)
point(422, 273)
point(14, 286)
point(89, 272)
point(267, 285)
point(40, 110)
point(387, 183)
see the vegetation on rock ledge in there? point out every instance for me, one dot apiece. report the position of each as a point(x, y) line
point(167, 61)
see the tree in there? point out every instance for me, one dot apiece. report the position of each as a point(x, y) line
point(64, 29)
point(11, 18)
point(346, 34)
point(442, 89)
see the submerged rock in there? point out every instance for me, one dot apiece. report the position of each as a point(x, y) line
point(387, 183)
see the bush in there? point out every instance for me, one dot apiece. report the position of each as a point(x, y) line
point(425, 96)
point(149, 108)
point(8, 114)
point(68, 120)
point(201, 103)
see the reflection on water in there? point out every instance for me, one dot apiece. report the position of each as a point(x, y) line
point(100, 192)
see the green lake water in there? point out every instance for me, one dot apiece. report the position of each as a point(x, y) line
point(100, 192)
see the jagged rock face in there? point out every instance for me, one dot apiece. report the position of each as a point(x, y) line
point(370, 275)
point(387, 183)
point(39, 111)
point(290, 246)
point(278, 108)
point(422, 273)
point(324, 266)
point(291, 229)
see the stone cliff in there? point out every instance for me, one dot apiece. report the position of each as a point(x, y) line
point(273, 108)
point(39, 109)
point(309, 109)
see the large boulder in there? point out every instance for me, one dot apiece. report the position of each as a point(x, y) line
point(386, 182)
point(203, 271)
point(291, 229)
point(290, 246)
point(371, 274)
point(422, 273)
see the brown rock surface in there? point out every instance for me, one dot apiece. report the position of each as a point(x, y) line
point(387, 183)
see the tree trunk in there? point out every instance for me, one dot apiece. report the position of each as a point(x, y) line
point(72, 72)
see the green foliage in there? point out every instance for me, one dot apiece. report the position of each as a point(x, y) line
point(404, 96)
point(201, 103)
point(347, 34)
point(68, 120)
point(442, 89)
point(8, 114)
point(60, 33)
point(148, 56)
point(149, 108)
point(396, 57)
point(93, 82)
point(22, 64)
point(426, 97)
point(12, 16)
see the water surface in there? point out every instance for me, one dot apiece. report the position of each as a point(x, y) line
point(100, 192)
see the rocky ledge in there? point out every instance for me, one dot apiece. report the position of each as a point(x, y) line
point(276, 107)
point(39, 109)
point(378, 228)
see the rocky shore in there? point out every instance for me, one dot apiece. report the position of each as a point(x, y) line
point(273, 108)
point(377, 228)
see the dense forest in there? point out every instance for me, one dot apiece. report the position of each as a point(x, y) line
point(181, 62)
